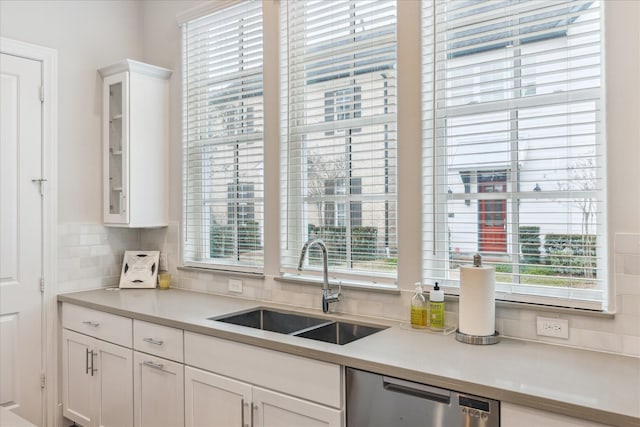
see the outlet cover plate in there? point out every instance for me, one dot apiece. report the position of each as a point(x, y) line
point(235, 285)
point(164, 265)
point(552, 327)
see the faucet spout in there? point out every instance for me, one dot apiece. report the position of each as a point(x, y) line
point(327, 296)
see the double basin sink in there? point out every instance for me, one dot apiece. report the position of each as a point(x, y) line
point(301, 325)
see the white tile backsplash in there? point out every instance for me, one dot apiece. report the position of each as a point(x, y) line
point(90, 255)
point(627, 243)
point(86, 250)
point(631, 345)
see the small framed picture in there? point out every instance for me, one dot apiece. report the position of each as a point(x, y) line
point(140, 269)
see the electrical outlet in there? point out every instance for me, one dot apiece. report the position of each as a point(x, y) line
point(163, 261)
point(235, 285)
point(551, 327)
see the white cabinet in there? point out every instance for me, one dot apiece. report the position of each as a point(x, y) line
point(158, 386)
point(520, 416)
point(273, 409)
point(308, 379)
point(216, 401)
point(253, 386)
point(162, 341)
point(77, 385)
point(135, 110)
point(97, 381)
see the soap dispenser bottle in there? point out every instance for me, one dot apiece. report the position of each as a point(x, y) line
point(436, 307)
point(419, 316)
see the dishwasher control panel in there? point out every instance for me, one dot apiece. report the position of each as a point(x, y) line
point(476, 411)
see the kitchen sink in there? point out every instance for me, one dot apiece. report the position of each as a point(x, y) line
point(300, 325)
point(270, 320)
point(339, 332)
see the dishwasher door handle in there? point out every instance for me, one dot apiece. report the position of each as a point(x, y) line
point(418, 390)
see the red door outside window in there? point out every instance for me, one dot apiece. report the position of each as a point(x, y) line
point(492, 214)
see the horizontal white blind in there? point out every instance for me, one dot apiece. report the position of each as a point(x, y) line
point(223, 138)
point(339, 133)
point(514, 154)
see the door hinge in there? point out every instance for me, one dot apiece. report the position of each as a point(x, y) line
point(43, 380)
point(41, 93)
point(42, 284)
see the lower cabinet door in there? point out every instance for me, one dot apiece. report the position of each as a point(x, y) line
point(115, 385)
point(271, 409)
point(520, 416)
point(78, 385)
point(215, 401)
point(158, 388)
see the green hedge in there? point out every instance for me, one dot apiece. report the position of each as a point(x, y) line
point(221, 239)
point(571, 254)
point(363, 243)
point(530, 244)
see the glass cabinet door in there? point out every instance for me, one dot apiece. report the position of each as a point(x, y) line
point(115, 111)
point(115, 149)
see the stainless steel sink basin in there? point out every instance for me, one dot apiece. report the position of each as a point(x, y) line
point(340, 332)
point(297, 324)
point(270, 320)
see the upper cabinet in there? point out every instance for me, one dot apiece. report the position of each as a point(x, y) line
point(135, 112)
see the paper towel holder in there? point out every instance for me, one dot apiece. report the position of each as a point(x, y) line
point(477, 339)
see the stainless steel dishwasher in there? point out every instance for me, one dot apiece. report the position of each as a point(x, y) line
point(375, 400)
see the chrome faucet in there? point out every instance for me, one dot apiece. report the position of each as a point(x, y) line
point(327, 296)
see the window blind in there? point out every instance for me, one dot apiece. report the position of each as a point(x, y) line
point(513, 148)
point(339, 134)
point(223, 138)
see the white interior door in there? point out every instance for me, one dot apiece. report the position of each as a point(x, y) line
point(21, 363)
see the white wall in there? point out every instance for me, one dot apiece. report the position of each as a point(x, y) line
point(87, 35)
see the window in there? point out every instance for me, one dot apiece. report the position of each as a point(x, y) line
point(513, 150)
point(339, 134)
point(339, 187)
point(223, 138)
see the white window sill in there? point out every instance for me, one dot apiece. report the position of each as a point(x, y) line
point(347, 284)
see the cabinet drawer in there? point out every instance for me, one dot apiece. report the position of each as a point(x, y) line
point(308, 379)
point(159, 340)
point(105, 326)
point(158, 391)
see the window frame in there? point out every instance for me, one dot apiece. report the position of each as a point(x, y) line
point(247, 115)
point(514, 292)
point(343, 118)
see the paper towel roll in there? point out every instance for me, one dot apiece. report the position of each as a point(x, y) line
point(477, 314)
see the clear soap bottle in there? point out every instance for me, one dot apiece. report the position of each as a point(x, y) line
point(419, 309)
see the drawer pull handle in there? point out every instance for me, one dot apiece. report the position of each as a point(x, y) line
point(242, 405)
point(254, 414)
point(93, 369)
point(153, 341)
point(86, 361)
point(90, 323)
point(153, 365)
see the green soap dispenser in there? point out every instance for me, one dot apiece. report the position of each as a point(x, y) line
point(436, 307)
point(419, 317)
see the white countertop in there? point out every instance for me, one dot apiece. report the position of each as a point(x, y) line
point(597, 386)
